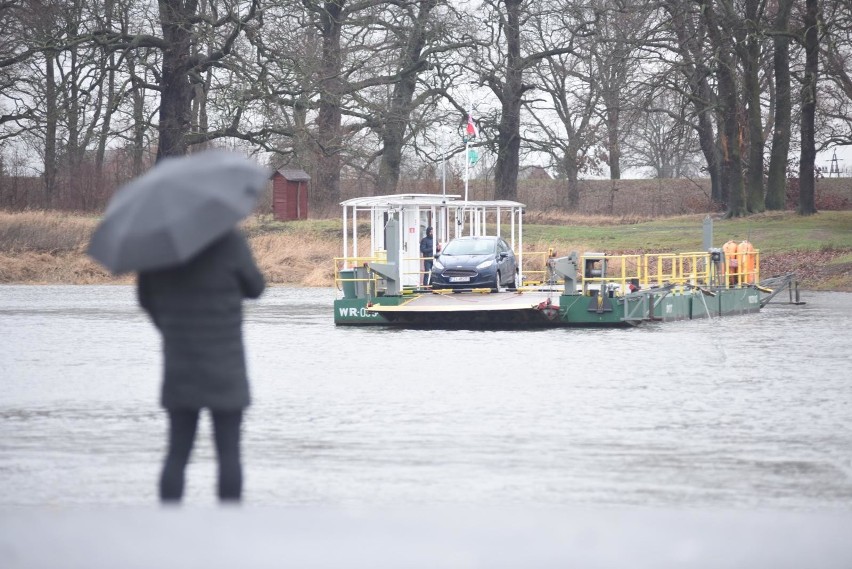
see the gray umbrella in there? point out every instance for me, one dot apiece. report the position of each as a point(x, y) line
point(176, 209)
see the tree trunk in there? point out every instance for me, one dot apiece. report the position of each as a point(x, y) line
point(776, 187)
point(509, 129)
point(329, 115)
point(732, 167)
point(393, 136)
point(807, 205)
point(200, 122)
point(751, 89)
point(73, 155)
point(571, 200)
point(707, 140)
point(51, 117)
point(137, 97)
point(613, 116)
point(724, 174)
point(137, 94)
point(175, 88)
point(106, 124)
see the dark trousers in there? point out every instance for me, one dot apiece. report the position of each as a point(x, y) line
point(427, 268)
point(183, 424)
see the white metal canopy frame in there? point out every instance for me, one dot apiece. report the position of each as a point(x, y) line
point(449, 216)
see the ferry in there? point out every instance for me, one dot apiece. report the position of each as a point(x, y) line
point(382, 281)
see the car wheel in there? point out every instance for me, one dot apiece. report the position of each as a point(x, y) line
point(514, 284)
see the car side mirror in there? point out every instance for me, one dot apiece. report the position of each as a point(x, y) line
point(503, 254)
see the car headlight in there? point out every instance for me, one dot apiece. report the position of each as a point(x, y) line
point(485, 264)
point(436, 264)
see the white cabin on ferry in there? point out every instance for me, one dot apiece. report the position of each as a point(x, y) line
point(448, 215)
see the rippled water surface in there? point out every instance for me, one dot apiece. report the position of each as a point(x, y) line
point(743, 412)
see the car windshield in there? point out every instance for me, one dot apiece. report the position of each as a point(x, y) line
point(469, 247)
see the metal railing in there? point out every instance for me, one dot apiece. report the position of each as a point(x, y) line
point(623, 274)
point(349, 266)
point(536, 269)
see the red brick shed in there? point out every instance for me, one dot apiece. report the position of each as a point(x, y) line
point(290, 194)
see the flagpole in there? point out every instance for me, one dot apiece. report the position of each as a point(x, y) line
point(443, 165)
point(469, 133)
point(466, 165)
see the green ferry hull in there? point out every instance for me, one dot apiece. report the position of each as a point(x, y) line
point(577, 310)
point(535, 310)
point(356, 311)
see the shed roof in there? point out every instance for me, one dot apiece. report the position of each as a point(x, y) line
point(294, 175)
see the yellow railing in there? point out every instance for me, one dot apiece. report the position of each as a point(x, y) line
point(419, 272)
point(343, 264)
point(535, 268)
point(680, 270)
point(348, 266)
point(746, 270)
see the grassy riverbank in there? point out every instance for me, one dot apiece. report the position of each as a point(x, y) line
point(49, 247)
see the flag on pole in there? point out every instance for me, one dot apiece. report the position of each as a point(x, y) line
point(471, 128)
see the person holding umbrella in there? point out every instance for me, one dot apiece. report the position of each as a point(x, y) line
point(176, 226)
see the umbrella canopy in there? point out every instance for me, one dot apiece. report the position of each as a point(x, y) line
point(166, 216)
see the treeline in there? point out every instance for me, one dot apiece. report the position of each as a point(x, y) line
point(744, 92)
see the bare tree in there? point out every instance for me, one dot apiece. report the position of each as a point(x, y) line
point(836, 87)
point(425, 43)
point(621, 32)
point(15, 52)
point(776, 186)
point(411, 62)
point(567, 120)
point(357, 87)
point(810, 40)
point(748, 39)
point(693, 62)
point(181, 66)
point(719, 31)
point(365, 46)
point(663, 138)
point(511, 58)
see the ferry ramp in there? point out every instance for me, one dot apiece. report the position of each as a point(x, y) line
point(475, 310)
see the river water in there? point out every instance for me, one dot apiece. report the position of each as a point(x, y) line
point(744, 412)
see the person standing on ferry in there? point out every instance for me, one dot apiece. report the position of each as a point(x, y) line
point(427, 252)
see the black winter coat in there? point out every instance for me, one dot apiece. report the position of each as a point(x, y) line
point(197, 307)
point(426, 245)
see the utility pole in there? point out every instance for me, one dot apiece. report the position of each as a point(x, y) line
point(834, 168)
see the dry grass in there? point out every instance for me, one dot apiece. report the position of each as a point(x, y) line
point(558, 217)
point(295, 259)
point(49, 248)
point(44, 231)
point(34, 267)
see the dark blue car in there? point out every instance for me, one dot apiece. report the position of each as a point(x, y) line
point(475, 262)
